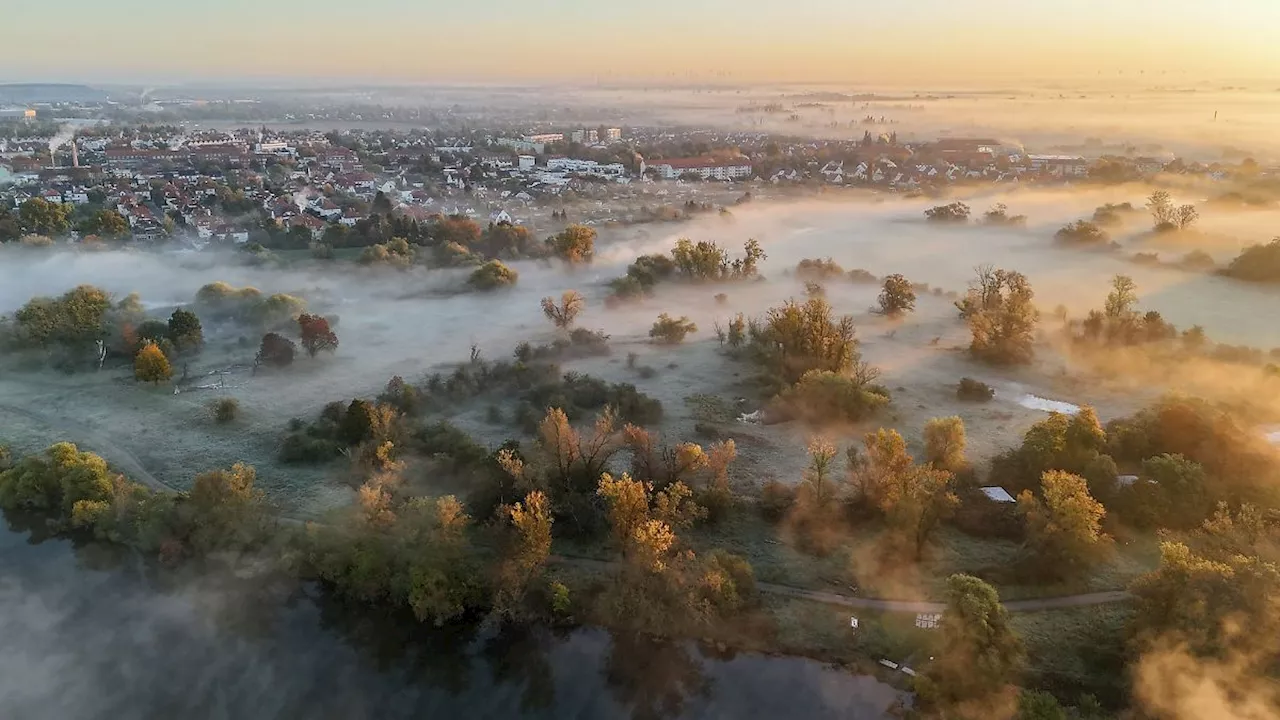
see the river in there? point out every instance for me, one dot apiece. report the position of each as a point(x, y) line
point(90, 632)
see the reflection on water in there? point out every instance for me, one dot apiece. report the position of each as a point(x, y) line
point(90, 632)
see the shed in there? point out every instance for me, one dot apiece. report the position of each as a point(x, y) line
point(998, 494)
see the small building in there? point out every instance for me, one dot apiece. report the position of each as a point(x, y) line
point(998, 494)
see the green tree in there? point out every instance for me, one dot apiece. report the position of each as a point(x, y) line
point(55, 481)
point(671, 331)
point(151, 365)
point(79, 317)
point(979, 654)
point(897, 296)
point(1065, 528)
point(184, 330)
point(105, 223)
point(42, 217)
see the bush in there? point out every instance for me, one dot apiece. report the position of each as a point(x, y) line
point(776, 500)
point(670, 331)
point(492, 276)
point(822, 396)
point(225, 410)
point(974, 390)
point(302, 449)
point(956, 212)
point(1081, 232)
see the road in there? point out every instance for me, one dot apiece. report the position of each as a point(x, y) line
point(126, 462)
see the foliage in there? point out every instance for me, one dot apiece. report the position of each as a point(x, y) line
point(979, 653)
point(974, 390)
point(41, 217)
point(822, 396)
point(77, 318)
point(275, 350)
point(575, 244)
point(1001, 316)
point(944, 443)
point(225, 410)
point(492, 276)
point(55, 481)
point(563, 314)
point(897, 297)
point(956, 212)
point(1257, 263)
point(1081, 232)
point(527, 551)
point(670, 331)
point(1075, 444)
point(151, 365)
point(915, 501)
point(794, 339)
point(1065, 528)
point(248, 306)
point(184, 330)
point(316, 334)
point(396, 252)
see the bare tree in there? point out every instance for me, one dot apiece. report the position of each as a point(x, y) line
point(563, 314)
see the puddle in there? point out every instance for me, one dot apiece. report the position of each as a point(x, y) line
point(1035, 402)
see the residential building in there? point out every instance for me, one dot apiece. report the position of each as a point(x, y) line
point(613, 134)
point(708, 168)
point(1059, 165)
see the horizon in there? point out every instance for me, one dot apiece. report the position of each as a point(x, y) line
point(714, 41)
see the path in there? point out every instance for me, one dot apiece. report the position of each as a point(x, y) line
point(124, 460)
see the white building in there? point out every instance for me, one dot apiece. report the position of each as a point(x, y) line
point(1060, 165)
point(707, 168)
point(527, 162)
point(613, 134)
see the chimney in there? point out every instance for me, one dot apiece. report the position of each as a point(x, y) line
point(75, 153)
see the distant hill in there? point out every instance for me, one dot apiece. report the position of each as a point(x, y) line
point(28, 93)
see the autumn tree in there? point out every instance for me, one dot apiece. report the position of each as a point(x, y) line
point(226, 509)
point(275, 350)
point(915, 503)
point(897, 297)
point(528, 548)
point(316, 334)
point(575, 244)
point(1001, 316)
point(55, 480)
point(944, 443)
point(564, 313)
point(184, 330)
point(151, 365)
point(979, 654)
point(795, 338)
point(1064, 529)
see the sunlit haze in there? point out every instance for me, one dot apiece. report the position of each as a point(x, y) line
point(669, 40)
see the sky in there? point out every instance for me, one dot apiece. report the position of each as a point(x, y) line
point(673, 40)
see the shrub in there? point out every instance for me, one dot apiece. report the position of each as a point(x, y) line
point(956, 212)
point(225, 410)
point(897, 297)
point(776, 500)
point(822, 396)
point(1081, 232)
point(670, 331)
point(492, 276)
point(818, 270)
point(275, 350)
point(302, 449)
point(974, 390)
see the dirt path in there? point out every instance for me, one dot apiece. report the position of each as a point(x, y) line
point(91, 439)
point(903, 606)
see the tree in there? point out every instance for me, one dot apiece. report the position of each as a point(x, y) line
point(915, 502)
point(1160, 204)
point(575, 244)
point(55, 481)
point(1081, 232)
point(1122, 298)
point(77, 318)
point(527, 553)
point(381, 204)
point(316, 334)
point(1185, 216)
point(184, 330)
point(105, 223)
point(670, 331)
point(227, 510)
point(979, 654)
point(1065, 528)
point(1257, 263)
point(151, 365)
point(795, 338)
point(564, 313)
point(275, 350)
point(944, 443)
point(897, 297)
point(956, 212)
point(492, 276)
point(42, 217)
point(1002, 316)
